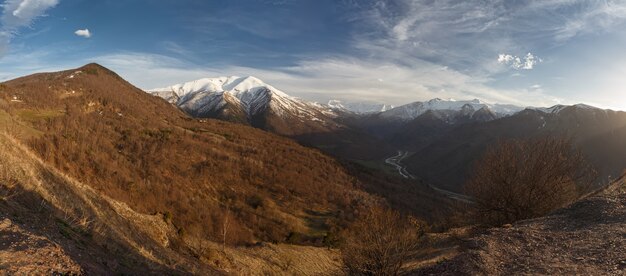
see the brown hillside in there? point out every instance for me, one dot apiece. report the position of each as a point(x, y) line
point(53, 224)
point(138, 149)
point(198, 175)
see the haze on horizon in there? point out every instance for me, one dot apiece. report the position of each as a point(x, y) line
point(537, 53)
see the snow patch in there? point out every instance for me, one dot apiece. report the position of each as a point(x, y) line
point(71, 76)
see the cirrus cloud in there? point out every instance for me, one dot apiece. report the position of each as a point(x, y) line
point(20, 13)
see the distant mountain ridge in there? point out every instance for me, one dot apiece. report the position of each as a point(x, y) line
point(353, 130)
point(358, 107)
point(446, 158)
point(249, 96)
point(413, 110)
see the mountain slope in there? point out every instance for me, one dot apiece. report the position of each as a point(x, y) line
point(433, 124)
point(447, 160)
point(51, 223)
point(89, 233)
point(151, 167)
point(141, 150)
point(18, 257)
point(584, 238)
point(248, 99)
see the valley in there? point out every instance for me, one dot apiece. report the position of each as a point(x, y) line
point(286, 137)
point(155, 175)
point(396, 162)
point(445, 137)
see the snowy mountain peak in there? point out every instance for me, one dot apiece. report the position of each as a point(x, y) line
point(468, 107)
point(559, 107)
point(234, 85)
point(246, 98)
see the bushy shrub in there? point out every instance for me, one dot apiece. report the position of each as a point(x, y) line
point(521, 179)
point(379, 243)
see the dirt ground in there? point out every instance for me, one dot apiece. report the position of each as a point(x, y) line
point(586, 238)
point(24, 253)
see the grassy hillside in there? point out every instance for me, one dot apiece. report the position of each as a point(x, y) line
point(138, 149)
point(195, 184)
point(50, 222)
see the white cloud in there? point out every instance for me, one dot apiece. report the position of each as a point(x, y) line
point(527, 62)
point(466, 35)
point(20, 13)
point(84, 33)
point(326, 78)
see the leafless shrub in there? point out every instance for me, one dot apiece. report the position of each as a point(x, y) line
point(379, 243)
point(521, 179)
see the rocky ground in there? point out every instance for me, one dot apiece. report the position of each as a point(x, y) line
point(25, 253)
point(586, 238)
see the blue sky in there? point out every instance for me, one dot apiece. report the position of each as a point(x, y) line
point(537, 53)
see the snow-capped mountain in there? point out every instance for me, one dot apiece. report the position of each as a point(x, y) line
point(358, 107)
point(413, 110)
point(212, 94)
point(248, 100)
point(559, 107)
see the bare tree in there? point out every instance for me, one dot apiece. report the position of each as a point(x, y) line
point(521, 179)
point(225, 225)
point(379, 243)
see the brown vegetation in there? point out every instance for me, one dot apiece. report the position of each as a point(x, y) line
point(521, 179)
point(142, 151)
point(201, 185)
point(379, 243)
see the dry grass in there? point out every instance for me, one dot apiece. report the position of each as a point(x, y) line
point(139, 176)
point(132, 174)
point(82, 211)
point(139, 150)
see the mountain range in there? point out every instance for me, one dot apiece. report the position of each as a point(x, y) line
point(248, 99)
point(444, 137)
point(358, 107)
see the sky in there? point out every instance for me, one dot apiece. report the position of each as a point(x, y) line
point(528, 53)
